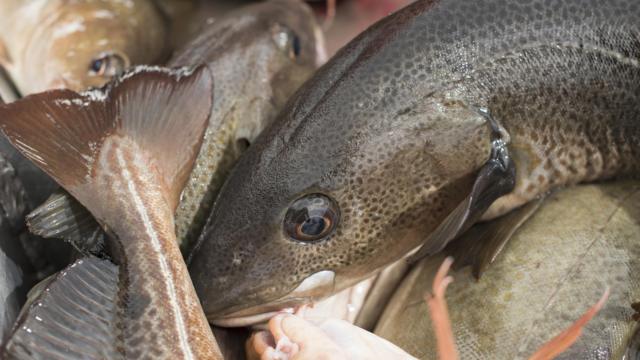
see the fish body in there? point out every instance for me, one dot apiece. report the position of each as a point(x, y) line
point(259, 55)
point(111, 164)
point(48, 44)
point(410, 133)
point(556, 265)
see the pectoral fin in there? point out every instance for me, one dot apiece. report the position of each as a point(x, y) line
point(495, 179)
point(71, 315)
point(63, 217)
point(481, 244)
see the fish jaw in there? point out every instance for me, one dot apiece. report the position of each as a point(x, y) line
point(313, 287)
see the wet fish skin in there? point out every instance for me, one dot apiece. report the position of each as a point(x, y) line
point(14, 263)
point(555, 266)
point(389, 129)
point(55, 44)
point(259, 55)
point(111, 166)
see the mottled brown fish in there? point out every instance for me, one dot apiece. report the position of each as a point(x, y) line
point(47, 44)
point(259, 55)
point(125, 152)
point(442, 114)
point(553, 268)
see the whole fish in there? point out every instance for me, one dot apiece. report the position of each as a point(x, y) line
point(259, 55)
point(47, 44)
point(125, 152)
point(440, 115)
point(555, 266)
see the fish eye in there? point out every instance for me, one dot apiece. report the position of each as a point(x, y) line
point(287, 40)
point(311, 218)
point(108, 64)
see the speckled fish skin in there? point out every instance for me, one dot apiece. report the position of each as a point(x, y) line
point(52, 43)
point(252, 54)
point(553, 269)
point(389, 129)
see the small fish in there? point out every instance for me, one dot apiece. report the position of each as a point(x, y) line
point(259, 55)
point(46, 44)
point(125, 151)
point(441, 115)
point(555, 266)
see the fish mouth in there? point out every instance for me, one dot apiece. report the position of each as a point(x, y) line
point(260, 314)
point(307, 292)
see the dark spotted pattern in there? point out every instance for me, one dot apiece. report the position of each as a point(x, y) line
point(389, 130)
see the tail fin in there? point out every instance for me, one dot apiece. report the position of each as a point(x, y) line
point(163, 111)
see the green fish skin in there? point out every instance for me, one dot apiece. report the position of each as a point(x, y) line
point(553, 269)
point(410, 134)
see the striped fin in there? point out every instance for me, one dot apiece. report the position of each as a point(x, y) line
point(72, 315)
point(163, 111)
point(62, 217)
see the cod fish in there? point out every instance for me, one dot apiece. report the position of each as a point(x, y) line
point(125, 152)
point(555, 266)
point(259, 55)
point(47, 44)
point(441, 115)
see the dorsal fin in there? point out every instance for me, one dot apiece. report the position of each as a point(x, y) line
point(163, 111)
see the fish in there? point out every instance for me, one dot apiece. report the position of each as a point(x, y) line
point(555, 266)
point(78, 44)
point(47, 313)
point(259, 55)
point(124, 152)
point(17, 269)
point(441, 115)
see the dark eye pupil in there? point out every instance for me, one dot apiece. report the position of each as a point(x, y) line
point(96, 65)
point(297, 47)
point(311, 218)
point(313, 226)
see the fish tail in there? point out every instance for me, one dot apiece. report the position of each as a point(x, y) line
point(162, 111)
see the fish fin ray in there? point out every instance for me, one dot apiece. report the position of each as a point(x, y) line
point(481, 244)
point(180, 112)
point(63, 217)
point(495, 179)
point(45, 330)
point(164, 111)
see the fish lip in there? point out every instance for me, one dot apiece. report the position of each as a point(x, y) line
point(311, 288)
point(261, 313)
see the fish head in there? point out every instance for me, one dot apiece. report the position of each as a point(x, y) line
point(343, 183)
point(86, 44)
point(260, 54)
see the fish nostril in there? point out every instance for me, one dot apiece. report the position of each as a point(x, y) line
point(242, 144)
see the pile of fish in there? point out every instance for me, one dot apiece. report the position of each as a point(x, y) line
point(290, 180)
